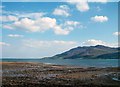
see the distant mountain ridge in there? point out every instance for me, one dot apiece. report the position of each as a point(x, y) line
point(88, 52)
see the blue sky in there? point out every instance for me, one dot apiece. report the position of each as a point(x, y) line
point(35, 30)
point(51, 0)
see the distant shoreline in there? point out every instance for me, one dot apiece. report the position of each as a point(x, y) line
point(71, 62)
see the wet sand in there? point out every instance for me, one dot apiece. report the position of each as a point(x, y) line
point(28, 74)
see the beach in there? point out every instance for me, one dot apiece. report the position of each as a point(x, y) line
point(29, 74)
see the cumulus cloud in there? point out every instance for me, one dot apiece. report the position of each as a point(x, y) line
point(116, 33)
point(62, 10)
point(99, 18)
point(38, 22)
point(9, 18)
point(81, 5)
point(71, 23)
point(15, 35)
point(93, 42)
point(34, 15)
point(42, 24)
point(38, 25)
point(59, 31)
point(4, 44)
point(68, 27)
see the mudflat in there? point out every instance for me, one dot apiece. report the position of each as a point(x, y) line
point(28, 74)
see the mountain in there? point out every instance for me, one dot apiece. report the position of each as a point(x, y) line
point(87, 52)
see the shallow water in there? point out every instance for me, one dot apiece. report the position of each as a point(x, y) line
point(73, 62)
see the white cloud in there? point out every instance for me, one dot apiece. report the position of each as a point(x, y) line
point(9, 18)
point(81, 5)
point(116, 33)
point(38, 25)
point(60, 31)
point(68, 26)
point(4, 44)
point(43, 24)
point(62, 10)
point(31, 15)
point(37, 22)
point(93, 42)
point(71, 23)
point(99, 18)
point(15, 35)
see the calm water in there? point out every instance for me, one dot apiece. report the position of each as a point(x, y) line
point(74, 62)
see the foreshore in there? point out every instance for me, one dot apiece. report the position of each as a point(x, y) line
point(29, 74)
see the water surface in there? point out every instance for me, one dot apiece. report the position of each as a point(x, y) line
point(73, 62)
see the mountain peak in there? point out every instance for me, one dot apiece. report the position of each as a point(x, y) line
point(87, 52)
point(100, 46)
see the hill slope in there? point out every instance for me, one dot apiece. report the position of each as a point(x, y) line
point(87, 52)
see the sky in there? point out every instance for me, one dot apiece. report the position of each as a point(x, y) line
point(43, 29)
point(57, 0)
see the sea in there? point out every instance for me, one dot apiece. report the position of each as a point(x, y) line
point(72, 62)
